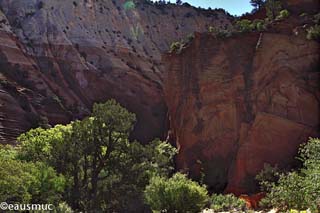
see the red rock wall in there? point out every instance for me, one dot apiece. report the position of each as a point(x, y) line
point(237, 103)
point(62, 56)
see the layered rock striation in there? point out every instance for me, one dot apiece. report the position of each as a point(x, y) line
point(59, 57)
point(238, 103)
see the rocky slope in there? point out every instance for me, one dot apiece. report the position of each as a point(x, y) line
point(240, 102)
point(232, 104)
point(59, 57)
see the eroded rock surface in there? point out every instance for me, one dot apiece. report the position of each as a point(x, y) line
point(238, 103)
point(59, 57)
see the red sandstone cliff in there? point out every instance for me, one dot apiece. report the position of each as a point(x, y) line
point(234, 104)
point(59, 57)
point(240, 102)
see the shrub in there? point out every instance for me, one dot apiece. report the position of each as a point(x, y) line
point(190, 37)
point(273, 8)
point(219, 33)
point(283, 15)
point(245, 25)
point(316, 18)
point(313, 33)
point(298, 189)
point(63, 208)
point(268, 176)
point(24, 182)
point(259, 25)
point(176, 47)
point(176, 194)
point(105, 171)
point(226, 203)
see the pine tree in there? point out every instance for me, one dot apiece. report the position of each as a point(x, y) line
point(179, 2)
point(257, 4)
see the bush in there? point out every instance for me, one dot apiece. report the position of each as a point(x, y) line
point(176, 47)
point(268, 176)
point(105, 171)
point(245, 25)
point(273, 8)
point(219, 33)
point(63, 208)
point(227, 203)
point(23, 182)
point(283, 15)
point(176, 194)
point(313, 33)
point(316, 18)
point(298, 189)
point(259, 25)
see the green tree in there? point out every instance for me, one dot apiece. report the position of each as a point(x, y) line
point(25, 182)
point(176, 194)
point(283, 14)
point(245, 25)
point(105, 171)
point(273, 8)
point(297, 189)
point(227, 202)
point(178, 2)
point(258, 4)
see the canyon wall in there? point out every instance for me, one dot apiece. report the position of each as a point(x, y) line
point(232, 104)
point(58, 57)
point(240, 102)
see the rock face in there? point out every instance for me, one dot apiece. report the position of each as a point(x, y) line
point(233, 104)
point(240, 102)
point(59, 57)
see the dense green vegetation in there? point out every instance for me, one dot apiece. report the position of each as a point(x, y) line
point(296, 189)
point(92, 166)
point(24, 182)
point(228, 202)
point(176, 194)
point(89, 164)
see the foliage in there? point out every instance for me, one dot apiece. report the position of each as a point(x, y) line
point(39, 144)
point(176, 194)
point(273, 8)
point(257, 3)
point(179, 2)
point(219, 33)
point(313, 33)
point(226, 203)
point(105, 171)
point(244, 25)
point(298, 189)
point(128, 5)
point(259, 25)
point(63, 208)
point(190, 37)
point(176, 47)
point(283, 15)
point(23, 182)
point(316, 18)
point(268, 176)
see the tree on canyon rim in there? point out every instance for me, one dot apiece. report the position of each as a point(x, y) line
point(257, 4)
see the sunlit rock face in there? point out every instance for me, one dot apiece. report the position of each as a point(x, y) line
point(237, 103)
point(59, 57)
